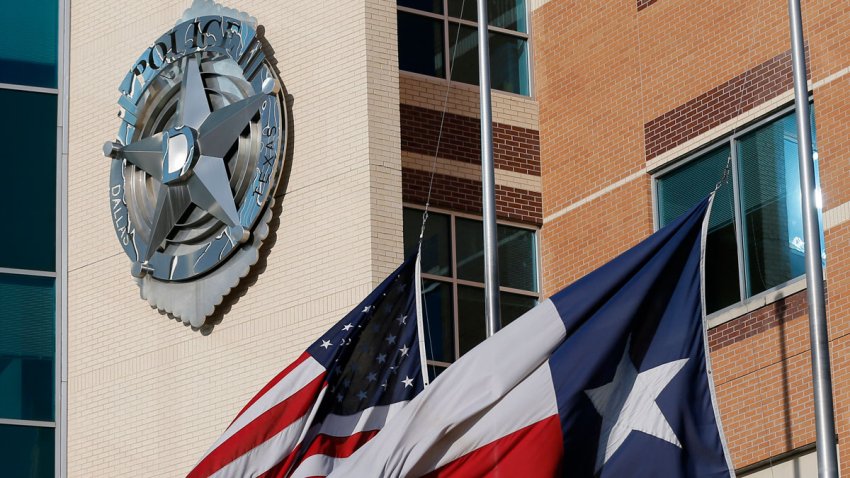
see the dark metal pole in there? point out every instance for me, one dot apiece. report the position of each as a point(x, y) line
point(824, 415)
point(488, 181)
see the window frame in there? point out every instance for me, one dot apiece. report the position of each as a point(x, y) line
point(447, 50)
point(454, 281)
point(745, 303)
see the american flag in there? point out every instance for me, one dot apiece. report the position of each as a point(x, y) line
point(335, 397)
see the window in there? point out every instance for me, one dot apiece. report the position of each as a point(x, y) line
point(31, 278)
point(29, 141)
point(432, 31)
point(31, 58)
point(453, 275)
point(755, 238)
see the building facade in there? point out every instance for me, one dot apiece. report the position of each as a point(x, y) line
point(642, 106)
point(610, 118)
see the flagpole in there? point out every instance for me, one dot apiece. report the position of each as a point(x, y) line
point(824, 414)
point(488, 187)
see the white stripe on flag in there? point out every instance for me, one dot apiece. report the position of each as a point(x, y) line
point(265, 455)
point(372, 418)
point(289, 385)
point(317, 465)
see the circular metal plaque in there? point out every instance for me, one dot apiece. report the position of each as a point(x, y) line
point(198, 156)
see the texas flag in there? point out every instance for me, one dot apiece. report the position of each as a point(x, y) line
point(608, 378)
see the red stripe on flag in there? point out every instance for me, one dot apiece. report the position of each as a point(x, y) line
point(277, 378)
point(267, 425)
point(532, 451)
point(337, 447)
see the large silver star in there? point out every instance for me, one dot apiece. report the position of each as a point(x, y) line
point(187, 161)
point(628, 403)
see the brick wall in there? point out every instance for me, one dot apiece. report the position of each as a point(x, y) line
point(450, 145)
point(718, 105)
point(625, 89)
point(515, 148)
point(762, 375)
point(464, 195)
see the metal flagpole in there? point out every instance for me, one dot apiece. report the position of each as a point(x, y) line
point(824, 415)
point(488, 182)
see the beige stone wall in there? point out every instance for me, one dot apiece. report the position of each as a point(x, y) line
point(148, 395)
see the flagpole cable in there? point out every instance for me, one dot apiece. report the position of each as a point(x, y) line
point(420, 311)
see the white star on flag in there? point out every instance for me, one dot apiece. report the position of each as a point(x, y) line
point(404, 350)
point(628, 403)
point(325, 344)
point(347, 327)
point(408, 382)
point(402, 319)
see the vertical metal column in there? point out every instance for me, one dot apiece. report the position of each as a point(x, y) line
point(824, 415)
point(488, 181)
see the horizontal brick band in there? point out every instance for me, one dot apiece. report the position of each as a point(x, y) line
point(464, 195)
point(515, 148)
point(720, 104)
point(765, 318)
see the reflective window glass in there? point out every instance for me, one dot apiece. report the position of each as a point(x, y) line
point(465, 9)
point(472, 328)
point(27, 347)
point(509, 63)
point(517, 254)
point(773, 218)
point(517, 258)
point(28, 57)
point(508, 14)
point(420, 45)
point(433, 6)
point(768, 206)
point(436, 252)
point(463, 53)
point(680, 191)
point(508, 59)
point(514, 305)
point(27, 452)
point(28, 180)
point(439, 329)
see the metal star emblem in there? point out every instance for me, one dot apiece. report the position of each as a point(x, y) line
point(187, 161)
